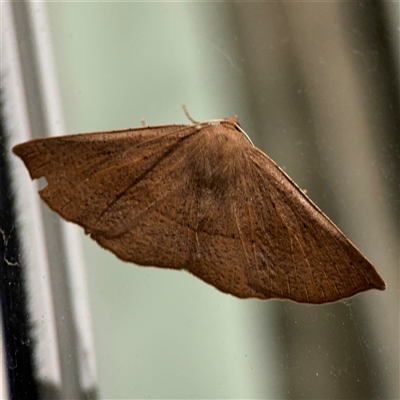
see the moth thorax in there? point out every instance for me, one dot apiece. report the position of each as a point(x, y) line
point(217, 163)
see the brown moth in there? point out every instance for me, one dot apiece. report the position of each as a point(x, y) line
point(203, 199)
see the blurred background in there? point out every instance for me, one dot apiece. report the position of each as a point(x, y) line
point(315, 86)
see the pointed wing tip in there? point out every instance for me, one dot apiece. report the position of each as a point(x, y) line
point(377, 282)
point(380, 285)
point(17, 150)
point(21, 151)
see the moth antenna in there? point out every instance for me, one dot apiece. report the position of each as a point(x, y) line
point(143, 122)
point(211, 121)
point(244, 134)
point(188, 116)
point(214, 121)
